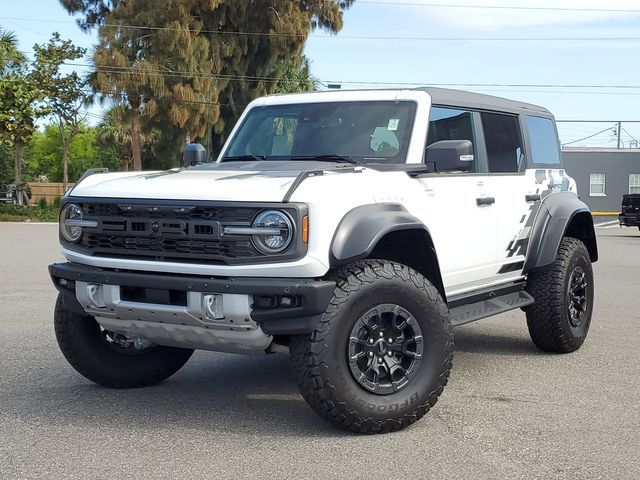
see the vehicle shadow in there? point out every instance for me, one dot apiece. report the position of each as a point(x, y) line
point(470, 340)
point(215, 393)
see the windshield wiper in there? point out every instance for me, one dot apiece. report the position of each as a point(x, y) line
point(327, 158)
point(244, 158)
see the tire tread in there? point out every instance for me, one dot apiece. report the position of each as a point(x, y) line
point(168, 360)
point(306, 352)
point(547, 317)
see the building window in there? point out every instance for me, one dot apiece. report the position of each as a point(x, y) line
point(596, 185)
point(634, 183)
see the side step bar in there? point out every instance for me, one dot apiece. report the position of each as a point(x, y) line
point(486, 308)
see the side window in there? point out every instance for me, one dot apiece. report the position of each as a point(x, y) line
point(634, 183)
point(596, 185)
point(544, 142)
point(451, 124)
point(504, 142)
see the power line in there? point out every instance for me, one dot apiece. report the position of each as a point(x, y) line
point(487, 88)
point(634, 138)
point(498, 7)
point(597, 121)
point(352, 37)
point(590, 136)
point(186, 74)
point(115, 69)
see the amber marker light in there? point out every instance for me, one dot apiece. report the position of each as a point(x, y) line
point(305, 229)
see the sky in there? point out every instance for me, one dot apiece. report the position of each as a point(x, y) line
point(472, 49)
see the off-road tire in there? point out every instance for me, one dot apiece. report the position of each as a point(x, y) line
point(86, 350)
point(319, 360)
point(548, 318)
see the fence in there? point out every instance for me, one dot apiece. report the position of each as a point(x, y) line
point(49, 191)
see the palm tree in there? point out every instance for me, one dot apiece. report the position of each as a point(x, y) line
point(115, 127)
point(294, 76)
point(16, 102)
point(10, 57)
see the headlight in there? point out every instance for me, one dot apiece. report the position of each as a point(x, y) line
point(278, 231)
point(70, 222)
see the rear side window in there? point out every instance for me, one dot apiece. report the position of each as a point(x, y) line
point(544, 142)
point(504, 142)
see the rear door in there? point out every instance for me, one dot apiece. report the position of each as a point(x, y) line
point(509, 184)
point(523, 161)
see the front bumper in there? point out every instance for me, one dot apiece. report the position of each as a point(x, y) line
point(311, 297)
point(629, 220)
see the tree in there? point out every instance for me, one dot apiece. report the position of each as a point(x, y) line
point(115, 130)
point(7, 175)
point(43, 154)
point(18, 102)
point(63, 93)
point(123, 72)
point(10, 57)
point(195, 64)
point(294, 77)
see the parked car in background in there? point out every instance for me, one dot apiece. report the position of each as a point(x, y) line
point(9, 193)
point(630, 216)
point(6, 193)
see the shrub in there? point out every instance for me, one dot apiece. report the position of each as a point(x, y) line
point(38, 213)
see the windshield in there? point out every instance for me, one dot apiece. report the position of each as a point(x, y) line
point(362, 132)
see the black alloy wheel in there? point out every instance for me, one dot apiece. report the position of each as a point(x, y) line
point(577, 300)
point(385, 349)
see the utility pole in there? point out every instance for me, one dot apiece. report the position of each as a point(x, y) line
point(619, 133)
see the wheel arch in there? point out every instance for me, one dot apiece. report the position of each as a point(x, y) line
point(386, 231)
point(561, 214)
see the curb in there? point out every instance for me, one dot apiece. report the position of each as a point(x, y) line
point(29, 223)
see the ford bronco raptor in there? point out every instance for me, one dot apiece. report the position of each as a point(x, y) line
point(352, 229)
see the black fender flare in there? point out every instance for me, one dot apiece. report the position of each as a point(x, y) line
point(363, 227)
point(560, 214)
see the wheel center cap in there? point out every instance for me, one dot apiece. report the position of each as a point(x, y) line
point(381, 347)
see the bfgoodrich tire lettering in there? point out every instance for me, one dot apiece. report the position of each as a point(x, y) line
point(549, 319)
point(83, 345)
point(320, 363)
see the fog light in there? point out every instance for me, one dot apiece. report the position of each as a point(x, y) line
point(266, 302)
point(212, 306)
point(287, 301)
point(95, 294)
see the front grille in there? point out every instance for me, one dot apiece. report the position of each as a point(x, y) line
point(231, 215)
point(167, 232)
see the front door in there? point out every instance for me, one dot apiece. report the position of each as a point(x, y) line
point(459, 207)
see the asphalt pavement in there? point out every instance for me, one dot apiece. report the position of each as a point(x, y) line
point(509, 411)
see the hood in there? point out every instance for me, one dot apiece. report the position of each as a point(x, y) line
point(246, 181)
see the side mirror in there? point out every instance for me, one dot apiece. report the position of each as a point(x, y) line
point(194, 154)
point(450, 155)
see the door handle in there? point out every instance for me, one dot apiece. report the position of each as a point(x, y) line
point(485, 201)
point(534, 197)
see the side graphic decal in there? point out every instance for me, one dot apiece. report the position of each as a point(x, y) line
point(554, 181)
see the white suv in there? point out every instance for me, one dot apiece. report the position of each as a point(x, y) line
point(353, 229)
